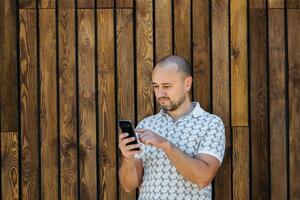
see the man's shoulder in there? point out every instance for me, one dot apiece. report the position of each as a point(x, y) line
point(150, 119)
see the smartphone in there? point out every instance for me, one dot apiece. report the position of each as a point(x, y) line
point(126, 127)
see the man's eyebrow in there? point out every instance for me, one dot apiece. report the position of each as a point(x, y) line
point(153, 83)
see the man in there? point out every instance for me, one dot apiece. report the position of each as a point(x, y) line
point(182, 146)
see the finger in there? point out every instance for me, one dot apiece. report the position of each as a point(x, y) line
point(133, 146)
point(133, 152)
point(122, 135)
point(127, 140)
point(140, 130)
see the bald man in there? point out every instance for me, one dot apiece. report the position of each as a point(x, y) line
point(181, 147)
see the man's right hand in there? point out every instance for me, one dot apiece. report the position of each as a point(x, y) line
point(128, 153)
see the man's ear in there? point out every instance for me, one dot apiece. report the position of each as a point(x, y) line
point(188, 83)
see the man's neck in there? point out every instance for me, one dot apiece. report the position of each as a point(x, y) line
point(183, 110)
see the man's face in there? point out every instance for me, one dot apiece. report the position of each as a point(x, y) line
point(171, 87)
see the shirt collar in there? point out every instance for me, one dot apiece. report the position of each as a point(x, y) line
point(196, 112)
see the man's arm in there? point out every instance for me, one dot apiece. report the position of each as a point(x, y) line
point(200, 170)
point(131, 171)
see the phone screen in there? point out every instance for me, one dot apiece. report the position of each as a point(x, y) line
point(126, 127)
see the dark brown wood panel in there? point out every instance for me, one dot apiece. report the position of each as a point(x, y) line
point(27, 3)
point(66, 4)
point(294, 101)
point(277, 103)
point(8, 63)
point(107, 109)
point(275, 3)
point(85, 3)
point(257, 3)
point(182, 28)
point(105, 3)
point(9, 165)
point(293, 3)
point(47, 3)
point(223, 179)
point(48, 112)
point(220, 86)
point(125, 75)
point(201, 54)
point(87, 109)
point(144, 39)
point(259, 105)
point(240, 163)
point(28, 98)
point(124, 3)
point(239, 64)
point(67, 105)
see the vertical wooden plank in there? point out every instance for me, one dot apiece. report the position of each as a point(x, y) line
point(293, 3)
point(277, 111)
point(48, 113)
point(124, 3)
point(9, 165)
point(182, 28)
point(106, 90)
point(223, 180)
point(239, 69)
point(87, 108)
point(201, 54)
point(257, 3)
point(240, 162)
point(29, 120)
point(67, 102)
point(66, 4)
point(294, 101)
point(8, 63)
point(125, 74)
point(144, 58)
point(259, 105)
point(220, 59)
point(27, 3)
point(85, 3)
point(105, 3)
point(47, 3)
point(163, 29)
point(275, 3)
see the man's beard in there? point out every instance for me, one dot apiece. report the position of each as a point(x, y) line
point(173, 105)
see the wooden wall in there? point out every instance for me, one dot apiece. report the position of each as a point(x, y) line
point(70, 69)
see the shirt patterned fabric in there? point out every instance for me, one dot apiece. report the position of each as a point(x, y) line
point(195, 133)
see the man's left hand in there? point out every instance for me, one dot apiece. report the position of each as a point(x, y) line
point(148, 137)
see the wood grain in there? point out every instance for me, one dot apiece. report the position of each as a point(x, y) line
point(277, 104)
point(8, 63)
point(182, 28)
point(240, 163)
point(201, 54)
point(125, 75)
point(62, 4)
point(106, 90)
point(87, 107)
point(27, 3)
point(223, 179)
point(48, 113)
point(220, 86)
point(105, 3)
point(275, 3)
point(257, 3)
point(239, 64)
point(124, 3)
point(294, 101)
point(85, 3)
point(29, 115)
point(67, 105)
point(293, 3)
point(47, 3)
point(259, 105)
point(144, 39)
point(9, 165)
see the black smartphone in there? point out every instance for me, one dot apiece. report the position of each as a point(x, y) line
point(126, 127)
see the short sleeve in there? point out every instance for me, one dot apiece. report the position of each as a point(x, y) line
point(213, 141)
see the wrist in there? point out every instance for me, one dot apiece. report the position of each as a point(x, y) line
point(166, 146)
point(128, 161)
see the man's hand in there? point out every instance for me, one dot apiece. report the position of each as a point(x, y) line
point(148, 137)
point(128, 153)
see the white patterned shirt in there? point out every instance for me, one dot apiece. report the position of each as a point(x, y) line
point(195, 133)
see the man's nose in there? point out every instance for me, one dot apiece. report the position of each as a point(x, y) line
point(161, 93)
